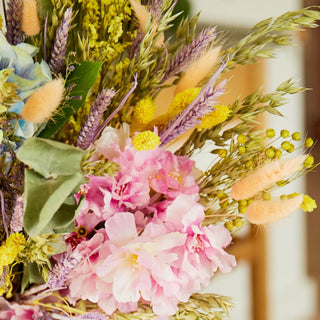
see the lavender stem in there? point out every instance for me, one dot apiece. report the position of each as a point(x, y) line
point(176, 123)
point(122, 103)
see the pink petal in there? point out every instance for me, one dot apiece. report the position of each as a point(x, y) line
point(121, 227)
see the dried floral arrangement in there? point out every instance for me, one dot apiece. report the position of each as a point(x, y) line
point(104, 214)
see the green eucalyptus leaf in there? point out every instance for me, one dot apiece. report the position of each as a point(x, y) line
point(81, 79)
point(44, 197)
point(50, 158)
point(65, 214)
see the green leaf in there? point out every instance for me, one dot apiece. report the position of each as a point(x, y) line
point(44, 197)
point(81, 79)
point(31, 274)
point(50, 158)
point(46, 7)
point(65, 215)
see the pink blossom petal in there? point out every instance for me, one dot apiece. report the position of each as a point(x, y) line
point(121, 227)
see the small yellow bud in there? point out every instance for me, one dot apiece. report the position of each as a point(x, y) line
point(285, 145)
point(241, 138)
point(278, 154)
point(308, 204)
point(241, 149)
point(291, 149)
point(242, 209)
point(296, 136)
point(222, 153)
point(308, 142)
point(270, 133)
point(249, 164)
point(229, 225)
point(308, 163)
point(238, 223)
point(221, 195)
point(270, 153)
point(285, 133)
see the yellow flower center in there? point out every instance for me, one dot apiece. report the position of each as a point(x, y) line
point(146, 140)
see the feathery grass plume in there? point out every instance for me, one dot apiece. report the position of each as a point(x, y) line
point(143, 16)
point(14, 17)
point(202, 105)
point(41, 105)
point(279, 31)
point(198, 70)
point(59, 47)
point(266, 176)
point(141, 13)
point(188, 54)
point(264, 212)
point(30, 18)
point(92, 122)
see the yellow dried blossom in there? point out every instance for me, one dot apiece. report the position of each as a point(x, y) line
point(16, 240)
point(12, 247)
point(308, 204)
point(219, 115)
point(143, 114)
point(146, 140)
point(182, 100)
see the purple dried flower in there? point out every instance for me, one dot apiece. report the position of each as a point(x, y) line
point(188, 54)
point(16, 223)
point(155, 9)
point(88, 131)
point(14, 18)
point(197, 109)
point(93, 316)
point(60, 44)
point(60, 272)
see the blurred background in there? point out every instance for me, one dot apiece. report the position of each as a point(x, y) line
point(278, 272)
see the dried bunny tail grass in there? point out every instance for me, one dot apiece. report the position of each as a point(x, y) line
point(265, 176)
point(198, 70)
point(264, 212)
point(30, 18)
point(141, 13)
point(44, 102)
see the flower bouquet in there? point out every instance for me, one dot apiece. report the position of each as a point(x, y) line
point(104, 214)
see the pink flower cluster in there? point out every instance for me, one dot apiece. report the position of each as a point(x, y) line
point(144, 239)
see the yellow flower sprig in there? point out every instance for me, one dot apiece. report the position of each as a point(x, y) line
point(9, 251)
